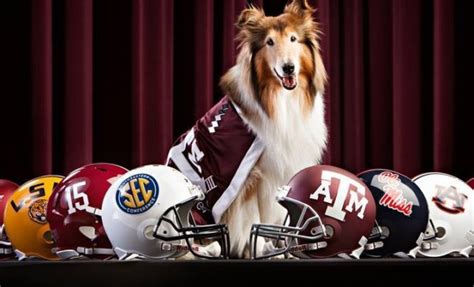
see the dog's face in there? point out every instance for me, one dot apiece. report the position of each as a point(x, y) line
point(283, 52)
point(284, 49)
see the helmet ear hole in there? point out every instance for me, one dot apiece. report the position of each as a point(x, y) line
point(148, 232)
point(329, 232)
point(48, 237)
point(440, 232)
point(385, 232)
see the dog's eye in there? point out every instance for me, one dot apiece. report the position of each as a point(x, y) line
point(293, 39)
point(270, 42)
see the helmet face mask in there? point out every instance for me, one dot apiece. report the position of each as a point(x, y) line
point(153, 220)
point(302, 224)
point(177, 220)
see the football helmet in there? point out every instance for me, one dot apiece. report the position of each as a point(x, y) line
point(146, 214)
point(451, 203)
point(330, 212)
point(6, 190)
point(471, 183)
point(25, 218)
point(74, 212)
point(402, 214)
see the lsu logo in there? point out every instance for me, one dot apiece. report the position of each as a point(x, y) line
point(449, 199)
point(137, 194)
point(37, 211)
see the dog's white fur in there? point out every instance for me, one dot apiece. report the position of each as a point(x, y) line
point(293, 141)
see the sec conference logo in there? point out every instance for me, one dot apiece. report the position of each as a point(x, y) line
point(137, 194)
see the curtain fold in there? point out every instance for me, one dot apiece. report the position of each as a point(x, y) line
point(78, 108)
point(379, 84)
point(152, 80)
point(119, 80)
point(41, 83)
point(204, 57)
point(407, 105)
point(353, 85)
point(443, 79)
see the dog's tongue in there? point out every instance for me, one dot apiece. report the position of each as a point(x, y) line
point(289, 82)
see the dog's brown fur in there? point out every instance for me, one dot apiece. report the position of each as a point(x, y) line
point(254, 71)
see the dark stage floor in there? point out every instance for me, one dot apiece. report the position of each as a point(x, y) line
point(367, 272)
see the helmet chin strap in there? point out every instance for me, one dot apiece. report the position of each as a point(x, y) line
point(414, 251)
point(357, 252)
point(6, 251)
point(377, 233)
point(21, 256)
point(83, 252)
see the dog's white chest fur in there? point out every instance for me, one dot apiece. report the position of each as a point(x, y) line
point(293, 141)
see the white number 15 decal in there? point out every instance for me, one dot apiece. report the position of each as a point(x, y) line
point(74, 195)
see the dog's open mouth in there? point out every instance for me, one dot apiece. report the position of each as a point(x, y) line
point(288, 82)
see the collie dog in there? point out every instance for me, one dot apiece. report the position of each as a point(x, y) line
point(277, 86)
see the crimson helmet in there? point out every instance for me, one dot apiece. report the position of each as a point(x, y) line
point(330, 212)
point(402, 214)
point(471, 183)
point(6, 190)
point(74, 212)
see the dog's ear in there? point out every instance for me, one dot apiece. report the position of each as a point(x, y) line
point(300, 8)
point(250, 17)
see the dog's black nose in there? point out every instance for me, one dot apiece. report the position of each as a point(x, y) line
point(289, 68)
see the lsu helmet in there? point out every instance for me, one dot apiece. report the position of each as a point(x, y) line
point(25, 218)
point(402, 214)
point(74, 212)
point(6, 190)
point(330, 212)
point(147, 214)
point(451, 226)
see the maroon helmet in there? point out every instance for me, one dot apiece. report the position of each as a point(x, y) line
point(471, 183)
point(330, 212)
point(74, 212)
point(6, 190)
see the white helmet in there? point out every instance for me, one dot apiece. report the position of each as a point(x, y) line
point(147, 213)
point(450, 230)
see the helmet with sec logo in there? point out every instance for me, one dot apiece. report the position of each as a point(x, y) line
point(330, 212)
point(402, 214)
point(6, 191)
point(25, 218)
point(74, 212)
point(147, 214)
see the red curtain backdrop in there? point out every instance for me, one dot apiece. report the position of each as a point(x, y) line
point(117, 81)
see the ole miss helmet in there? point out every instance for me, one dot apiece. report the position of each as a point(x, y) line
point(74, 212)
point(6, 190)
point(402, 214)
point(451, 226)
point(330, 212)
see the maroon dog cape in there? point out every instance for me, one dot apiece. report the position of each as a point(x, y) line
point(217, 154)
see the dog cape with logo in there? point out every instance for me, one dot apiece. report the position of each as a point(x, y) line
point(217, 154)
